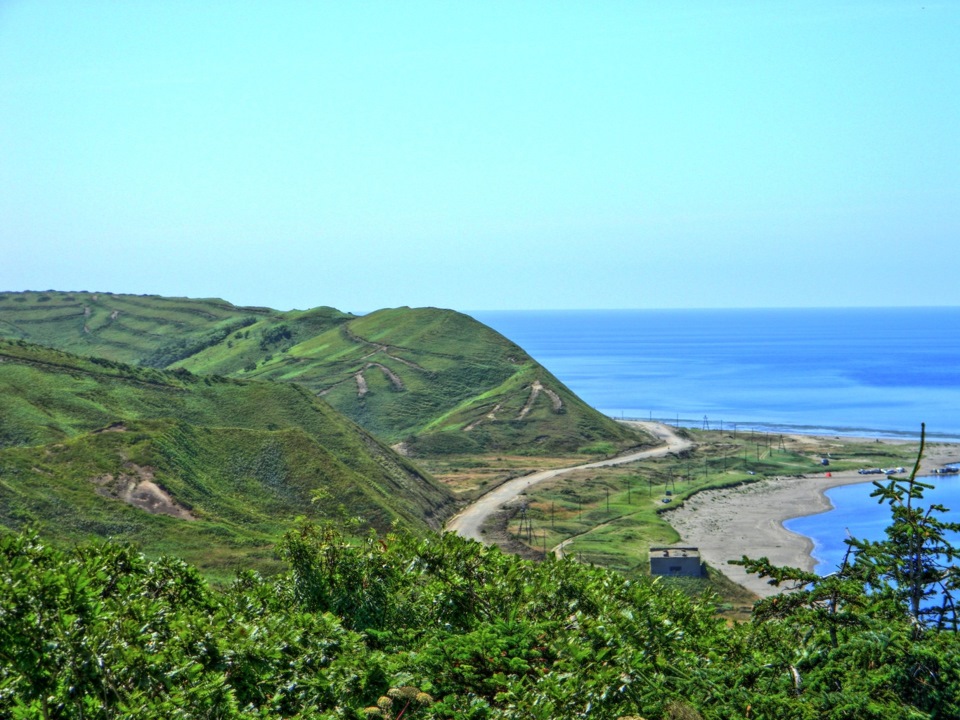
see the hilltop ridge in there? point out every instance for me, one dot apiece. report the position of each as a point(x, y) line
point(427, 380)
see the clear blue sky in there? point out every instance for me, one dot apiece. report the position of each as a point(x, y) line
point(483, 155)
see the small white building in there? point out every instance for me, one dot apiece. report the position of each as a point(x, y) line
point(675, 561)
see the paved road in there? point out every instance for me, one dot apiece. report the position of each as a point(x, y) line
point(469, 520)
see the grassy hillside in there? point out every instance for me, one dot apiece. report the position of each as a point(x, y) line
point(212, 468)
point(149, 330)
point(438, 381)
point(435, 380)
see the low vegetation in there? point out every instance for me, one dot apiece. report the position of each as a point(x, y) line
point(208, 468)
point(439, 627)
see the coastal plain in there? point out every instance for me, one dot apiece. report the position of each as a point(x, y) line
point(726, 493)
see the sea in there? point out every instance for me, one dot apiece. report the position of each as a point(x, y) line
point(866, 372)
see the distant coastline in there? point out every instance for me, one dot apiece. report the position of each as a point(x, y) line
point(859, 433)
point(872, 374)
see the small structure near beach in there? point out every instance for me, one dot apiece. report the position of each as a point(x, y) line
point(675, 561)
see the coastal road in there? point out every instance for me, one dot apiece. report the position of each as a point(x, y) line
point(468, 521)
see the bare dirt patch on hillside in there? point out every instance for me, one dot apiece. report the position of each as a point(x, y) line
point(115, 427)
point(136, 487)
point(535, 391)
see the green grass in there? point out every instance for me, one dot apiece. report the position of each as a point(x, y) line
point(246, 458)
point(432, 376)
point(126, 328)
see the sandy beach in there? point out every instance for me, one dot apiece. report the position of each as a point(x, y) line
point(748, 520)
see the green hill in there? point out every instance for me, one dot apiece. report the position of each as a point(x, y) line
point(212, 468)
point(429, 380)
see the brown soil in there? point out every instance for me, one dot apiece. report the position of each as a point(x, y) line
point(115, 427)
point(495, 533)
point(136, 487)
point(535, 391)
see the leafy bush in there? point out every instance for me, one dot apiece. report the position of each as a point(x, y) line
point(185, 347)
point(274, 335)
point(873, 637)
point(436, 627)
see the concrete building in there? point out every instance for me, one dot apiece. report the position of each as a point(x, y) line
point(675, 561)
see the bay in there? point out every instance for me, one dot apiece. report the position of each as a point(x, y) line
point(856, 514)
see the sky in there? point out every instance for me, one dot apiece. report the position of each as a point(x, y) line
point(483, 155)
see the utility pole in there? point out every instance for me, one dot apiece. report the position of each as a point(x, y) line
point(525, 520)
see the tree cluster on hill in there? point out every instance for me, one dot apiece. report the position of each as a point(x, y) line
point(185, 347)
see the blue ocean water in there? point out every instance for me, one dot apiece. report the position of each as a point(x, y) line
point(867, 372)
point(844, 371)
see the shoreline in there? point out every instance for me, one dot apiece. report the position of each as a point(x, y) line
point(728, 523)
point(846, 432)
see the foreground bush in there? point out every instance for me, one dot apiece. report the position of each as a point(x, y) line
point(403, 627)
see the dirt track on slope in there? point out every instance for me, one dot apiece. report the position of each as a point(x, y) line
point(470, 521)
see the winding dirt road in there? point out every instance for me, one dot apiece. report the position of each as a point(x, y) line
point(471, 519)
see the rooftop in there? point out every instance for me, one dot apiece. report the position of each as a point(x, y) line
point(674, 551)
